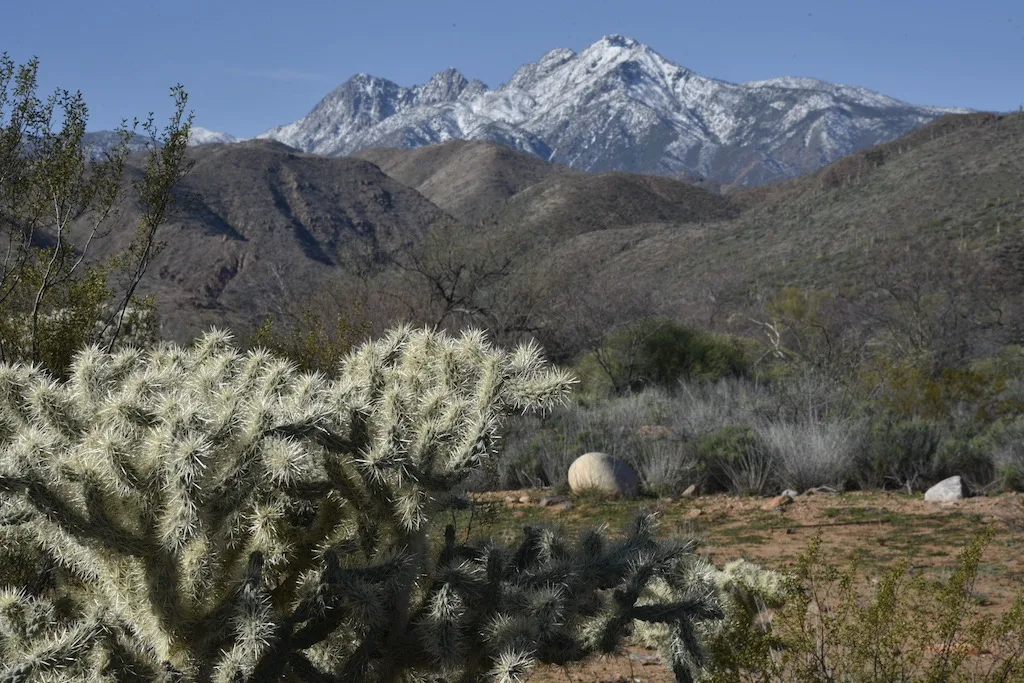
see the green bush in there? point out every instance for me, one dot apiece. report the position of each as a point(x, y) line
point(658, 352)
point(735, 460)
point(969, 457)
point(896, 453)
point(309, 342)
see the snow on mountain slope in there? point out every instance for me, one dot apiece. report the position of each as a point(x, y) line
point(616, 105)
point(203, 136)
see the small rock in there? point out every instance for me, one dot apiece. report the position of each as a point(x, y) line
point(604, 473)
point(777, 503)
point(518, 514)
point(548, 501)
point(690, 491)
point(667, 500)
point(789, 492)
point(525, 500)
point(694, 513)
point(947, 489)
point(510, 499)
point(565, 506)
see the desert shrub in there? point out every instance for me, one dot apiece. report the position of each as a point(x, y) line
point(310, 342)
point(735, 460)
point(910, 629)
point(967, 456)
point(812, 453)
point(896, 453)
point(699, 409)
point(658, 352)
point(667, 467)
point(1007, 442)
point(220, 516)
point(978, 393)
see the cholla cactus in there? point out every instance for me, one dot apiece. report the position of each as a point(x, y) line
point(744, 591)
point(221, 517)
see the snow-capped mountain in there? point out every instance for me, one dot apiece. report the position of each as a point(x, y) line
point(617, 105)
point(204, 136)
point(98, 143)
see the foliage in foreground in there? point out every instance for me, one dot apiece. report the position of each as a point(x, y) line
point(910, 629)
point(56, 206)
point(220, 516)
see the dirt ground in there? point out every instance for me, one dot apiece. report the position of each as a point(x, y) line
point(879, 528)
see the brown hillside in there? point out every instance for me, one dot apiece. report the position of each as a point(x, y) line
point(953, 192)
point(262, 227)
point(850, 168)
point(275, 227)
point(469, 180)
point(565, 206)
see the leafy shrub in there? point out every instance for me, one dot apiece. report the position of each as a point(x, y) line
point(969, 457)
point(910, 630)
point(896, 453)
point(309, 343)
point(658, 352)
point(735, 460)
point(1007, 442)
point(222, 517)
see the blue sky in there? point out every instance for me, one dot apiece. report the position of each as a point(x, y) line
point(251, 65)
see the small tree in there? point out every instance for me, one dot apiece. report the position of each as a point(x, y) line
point(54, 204)
point(221, 517)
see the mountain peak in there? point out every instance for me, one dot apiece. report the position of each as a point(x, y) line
point(616, 105)
point(444, 86)
point(618, 40)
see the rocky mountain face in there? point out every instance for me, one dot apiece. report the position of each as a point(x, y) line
point(260, 228)
point(616, 106)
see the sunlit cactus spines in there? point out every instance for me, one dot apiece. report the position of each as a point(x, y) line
point(219, 516)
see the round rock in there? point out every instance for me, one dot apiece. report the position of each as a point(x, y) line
point(602, 472)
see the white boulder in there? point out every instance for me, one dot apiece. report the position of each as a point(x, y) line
point(947, 489)
point(602, 472)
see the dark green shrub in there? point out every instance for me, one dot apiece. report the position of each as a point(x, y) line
point(309, 342)
point(1007, 440)
point(969, 457)
point(673, 352)
point(734, 460)
point(658, 351)
point(896, 453)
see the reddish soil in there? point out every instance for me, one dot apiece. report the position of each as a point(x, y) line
point(880, 528)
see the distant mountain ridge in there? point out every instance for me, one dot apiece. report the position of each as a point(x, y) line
point(615, 106)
